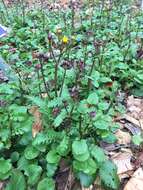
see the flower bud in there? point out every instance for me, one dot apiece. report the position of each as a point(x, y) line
point(38, 66)
point(49, 36)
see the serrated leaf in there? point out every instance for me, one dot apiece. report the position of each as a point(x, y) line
point(17, 181)
point(88, 167)
point(80, 150)
point(93, 99)
point(51, 168)
point(79, 147)
point(22, 163)
point(31, 152)
point(108, 175)
point(4, 176)
point(103, 106)
point(52, 157)
point(46, 183)
point(62, 148)
point(39, 139)
point(5, 165)
point(37, 101)
point(85, 180)
point(59, 119)
point(33, 172)
point(83, 107)
point(101, 124)
point(98, 154)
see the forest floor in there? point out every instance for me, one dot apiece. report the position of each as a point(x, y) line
point(127, 156)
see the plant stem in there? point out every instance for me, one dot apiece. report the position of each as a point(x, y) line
point(62, 82)
point(23, 11)
point(73, 16)
point(90, 73)
point(44, 81)
point(80, 126)
point(40, 91)
point(6, 9)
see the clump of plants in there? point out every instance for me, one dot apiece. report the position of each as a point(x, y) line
point(69, 66)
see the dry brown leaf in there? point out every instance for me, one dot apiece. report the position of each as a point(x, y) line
point(97, 184)
point(139, 160)
point(126, 175)
point(90, 188)
point(141, 123)
point(123, 162)
point(136, 182)
point(1, 185)
point(131, 101)
point(123, 137)
point(37, 126)
point(135, 107)
point(132, 128)
point(132, 120)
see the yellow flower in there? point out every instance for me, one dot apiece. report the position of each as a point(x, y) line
point(65, 40)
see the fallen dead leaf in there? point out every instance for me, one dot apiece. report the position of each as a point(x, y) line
point(136, 182)
point(132, 128)
point(135, 107)
point(123, 162)
point(37, 126)
point(139, 160)
point(1, 185)
point(126, 175)
point(131, 101)
point(132, 120)
point(97, 184)
point(123, 137)
point(90, 188)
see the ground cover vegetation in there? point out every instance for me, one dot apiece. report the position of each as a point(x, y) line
point(68, 66)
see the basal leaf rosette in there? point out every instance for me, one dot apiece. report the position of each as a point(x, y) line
point(5, 168)
point(80, 150)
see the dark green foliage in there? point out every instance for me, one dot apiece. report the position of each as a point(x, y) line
point(71, 69)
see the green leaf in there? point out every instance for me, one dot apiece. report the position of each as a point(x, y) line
point(5, 166)
point(85, 180)
point(4, 176)
point(63, 147)
point(46, 183)
point(108, 175)
point(52, 157)
point(137, 91)
point(83, 107)
point(80, 150)
point(101, 124)
point(33, 172)
point(98, 154)
point(31, 153)
point(22, 163)
point(37, 101)
point(59, 119)
point(79, 147)
point(122, 66)
point(88, 167)
point(17, 181)
point(14, 156)
point(103, 106)
point(93, 99)
point(137, 139)
point(51, 168)
point(110, 138)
